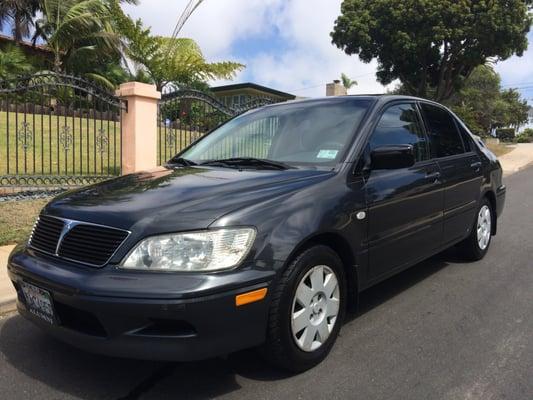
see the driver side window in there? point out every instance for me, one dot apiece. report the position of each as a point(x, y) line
point(400, 124)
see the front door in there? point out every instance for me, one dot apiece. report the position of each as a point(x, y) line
point(404, 205)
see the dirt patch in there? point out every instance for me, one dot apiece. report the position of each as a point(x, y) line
point(17, 219)
point(499, 149)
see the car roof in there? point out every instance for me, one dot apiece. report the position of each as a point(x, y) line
point(377, 97)
point(377, 100)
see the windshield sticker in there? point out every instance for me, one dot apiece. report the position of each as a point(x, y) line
point(329, 154)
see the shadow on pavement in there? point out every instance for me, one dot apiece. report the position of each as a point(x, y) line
point(71, 371)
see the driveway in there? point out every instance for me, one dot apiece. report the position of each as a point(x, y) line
point(442, 330)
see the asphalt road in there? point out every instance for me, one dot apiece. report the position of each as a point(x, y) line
point(442, 330)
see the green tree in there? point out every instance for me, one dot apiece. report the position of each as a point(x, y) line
point(432, 46)
point(483, 105)
point(13, 62)
point(170, 61)
point(516, 108)
point(19, 14)
point(74, 28)
point(347, 82)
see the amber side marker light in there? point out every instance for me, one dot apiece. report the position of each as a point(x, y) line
point(250, 297)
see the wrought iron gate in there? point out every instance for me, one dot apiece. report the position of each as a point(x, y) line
point(187, 115)
point(58, 130)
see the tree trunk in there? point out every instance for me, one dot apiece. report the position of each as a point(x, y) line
point(57, 62)
point(17, 28)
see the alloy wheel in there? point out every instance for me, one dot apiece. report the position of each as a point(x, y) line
point(484, 224)
point(315, 308)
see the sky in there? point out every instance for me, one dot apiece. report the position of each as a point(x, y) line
point(285, 44)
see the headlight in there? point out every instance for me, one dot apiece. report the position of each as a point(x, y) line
point(210, 250)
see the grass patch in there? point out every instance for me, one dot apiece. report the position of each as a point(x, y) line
point(499, 149)
point(17, 218)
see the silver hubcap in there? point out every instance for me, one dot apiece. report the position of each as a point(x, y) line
point(484, 223)
point(315, 308)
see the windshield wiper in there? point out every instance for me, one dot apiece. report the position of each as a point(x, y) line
point(180, 161)
point(248, 162)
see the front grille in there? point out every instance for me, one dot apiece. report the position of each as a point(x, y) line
point(91, 244)
point(78, 241)
point(46, 234)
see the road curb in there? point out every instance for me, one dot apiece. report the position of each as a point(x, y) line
point(517, 169)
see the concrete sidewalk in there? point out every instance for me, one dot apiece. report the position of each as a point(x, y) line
point(519, 158)
point(7, 291)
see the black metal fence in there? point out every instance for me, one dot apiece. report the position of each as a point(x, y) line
point(58, 130)
point(187, 115)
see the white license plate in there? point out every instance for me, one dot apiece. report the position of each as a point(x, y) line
point(39, 302)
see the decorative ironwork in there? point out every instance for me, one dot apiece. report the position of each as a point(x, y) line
point(52, 80)
point(39, 181)
point(171, 138)
point(102, 141)
point(25, 136)
point(192, 94)
point(59, 130)
point(255, 103)
point(65, 138)
point(186, 115)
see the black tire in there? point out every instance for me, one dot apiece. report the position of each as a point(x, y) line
point(470, 248)
point(280, 348)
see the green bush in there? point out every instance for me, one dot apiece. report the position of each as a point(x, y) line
point(524, 139)
point(505, 134)
point(527, 133)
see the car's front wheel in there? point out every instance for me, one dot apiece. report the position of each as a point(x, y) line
point(307, 310)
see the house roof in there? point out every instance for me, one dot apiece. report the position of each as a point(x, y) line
point(37, 47)
point(249, 85)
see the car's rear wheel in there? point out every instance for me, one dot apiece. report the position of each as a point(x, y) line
point(307, 310)
point(476, 246)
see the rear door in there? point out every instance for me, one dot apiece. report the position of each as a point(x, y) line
point(404, 205)
point(460, 167)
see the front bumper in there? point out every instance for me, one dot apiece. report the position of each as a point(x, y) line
point(155, 324)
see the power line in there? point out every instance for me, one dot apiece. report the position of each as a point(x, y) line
point(518, 84)
point(191, 7)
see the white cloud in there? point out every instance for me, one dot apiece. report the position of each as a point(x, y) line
point(215, 25)
point(311, 60)
point(308, 59)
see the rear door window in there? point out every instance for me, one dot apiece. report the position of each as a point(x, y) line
point(444, 137)
point(400, 124)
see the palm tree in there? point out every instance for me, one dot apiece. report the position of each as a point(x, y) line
point(171, 61)
point(347, 82)
point(19, 14)
point(13, 63)
point(72, 28)
point(181, 61)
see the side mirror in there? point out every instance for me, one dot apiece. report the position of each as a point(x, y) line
point(393, 157)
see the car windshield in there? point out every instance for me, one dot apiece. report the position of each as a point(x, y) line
point(314, 133)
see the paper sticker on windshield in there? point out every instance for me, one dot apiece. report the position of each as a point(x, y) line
point(329, 154)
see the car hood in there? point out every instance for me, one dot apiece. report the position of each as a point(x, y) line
point(167, 200)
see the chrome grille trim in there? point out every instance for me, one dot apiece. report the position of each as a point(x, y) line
point(68, 226)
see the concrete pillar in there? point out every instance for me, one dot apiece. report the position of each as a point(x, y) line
point(139, 126)
point(336, 89)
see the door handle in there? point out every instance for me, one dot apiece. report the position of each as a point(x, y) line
point(476, 165)
point(434, 176)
